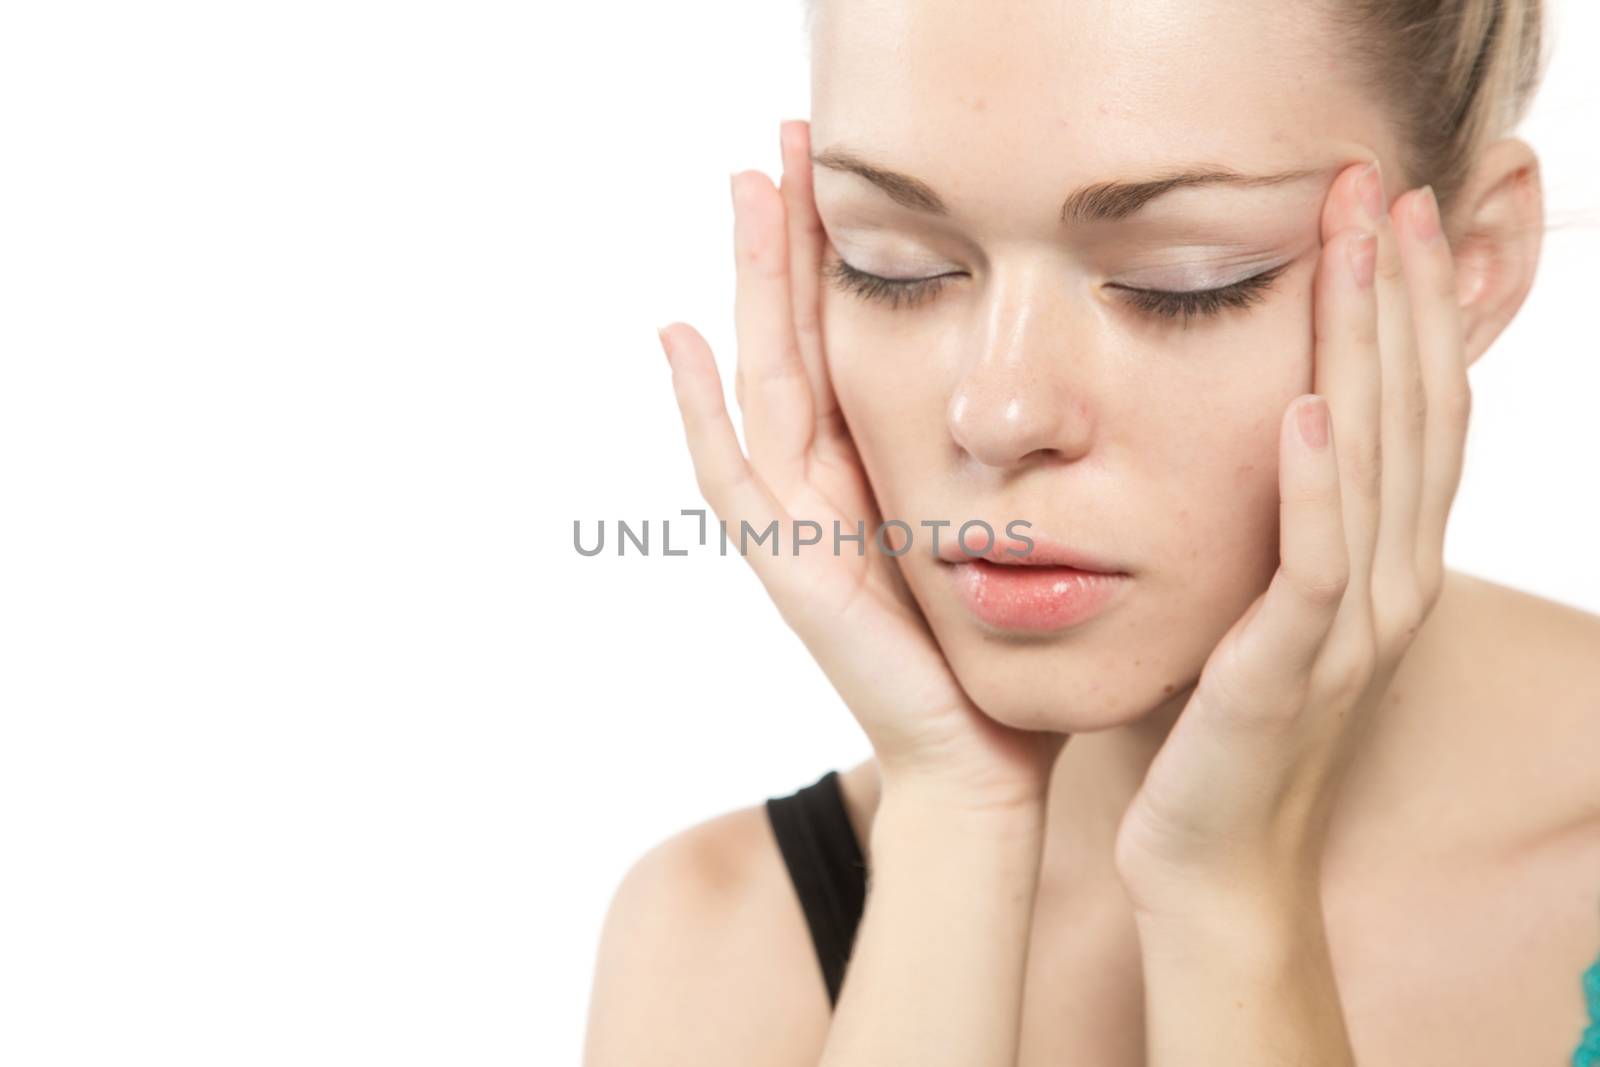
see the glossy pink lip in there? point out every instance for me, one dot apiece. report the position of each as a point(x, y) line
point(1044, 553)
point(1051, 587)
point(1038, 597)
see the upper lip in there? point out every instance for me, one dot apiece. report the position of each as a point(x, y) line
point(1045, 552)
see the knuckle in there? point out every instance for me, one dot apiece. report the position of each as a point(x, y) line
point(1237, 701)
point(1224, 687)
point(1313, 496)
point(1430, 571)
point(700, 410)
point(1323, 589)
point(1444, 287)
point(717, 486)
point(1365, 460)
point(1416, 401)
point(1389, 266)
point(786, 369)
point(807, 324)
point(765, 254)
point(1364, 328)
point(1405, 411)
point(1402, 620)
point(1346, 670)
point(1322, 332)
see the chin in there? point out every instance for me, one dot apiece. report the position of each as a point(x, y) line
point(1067, 715)
point(1136, 660)
point(1040, 687)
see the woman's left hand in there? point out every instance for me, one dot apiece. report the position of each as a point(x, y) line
point(1236, 803)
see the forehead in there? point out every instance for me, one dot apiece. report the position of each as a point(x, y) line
point(1039, 92)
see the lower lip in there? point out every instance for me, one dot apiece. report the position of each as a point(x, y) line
point(1027, 597)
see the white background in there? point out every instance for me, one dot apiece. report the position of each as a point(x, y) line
point(321, 322)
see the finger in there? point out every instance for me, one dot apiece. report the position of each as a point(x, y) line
point(725, 478)
point(1281, 639)
point(806, 242)
point(771, 386)
point(1430, 271)
point(1348, 375)
point(1404, 406)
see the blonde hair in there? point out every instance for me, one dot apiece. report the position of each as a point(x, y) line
point(1453, 75)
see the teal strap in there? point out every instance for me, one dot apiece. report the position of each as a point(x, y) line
point(1587, 1054)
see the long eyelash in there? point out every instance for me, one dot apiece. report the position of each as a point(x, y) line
point(892, 291)
point(1169, 304)
point(1200, 303)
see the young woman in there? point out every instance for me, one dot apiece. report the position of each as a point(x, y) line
point(1229, 768)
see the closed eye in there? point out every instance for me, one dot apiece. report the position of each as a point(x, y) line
point(892, 291)
point(1200, 303)
point(1169, 304)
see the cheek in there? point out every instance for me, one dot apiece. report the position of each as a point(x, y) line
point(1210, 427)
point(1216, 461)
point(893, 399)
point(1214, 512)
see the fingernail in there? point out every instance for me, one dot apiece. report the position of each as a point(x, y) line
point(1425, 215)
point(733, 188)
point(1363, 249)
point(1312, 417)
point(1370, 186)
point(661, 335)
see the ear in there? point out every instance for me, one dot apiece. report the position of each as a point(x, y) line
point(1496, 229)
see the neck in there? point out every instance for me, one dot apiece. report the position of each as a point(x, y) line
point(1092, 784)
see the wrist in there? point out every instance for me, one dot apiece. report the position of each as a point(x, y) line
point(989, 858)
point(920, 807)
point(1257, 924)
point(1018, 804)
point(1271, 882)
point(1242, 972)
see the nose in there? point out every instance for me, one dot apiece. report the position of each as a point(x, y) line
point(1019, 394)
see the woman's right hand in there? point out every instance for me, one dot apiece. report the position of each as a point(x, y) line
point(853, 611)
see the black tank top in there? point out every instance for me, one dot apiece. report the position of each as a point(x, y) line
point(825, 864)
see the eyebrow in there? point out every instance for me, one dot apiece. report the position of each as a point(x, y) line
point(1106, 201)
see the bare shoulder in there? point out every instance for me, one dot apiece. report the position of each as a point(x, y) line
point(1534, 664)
point(704, 957)
point(1546, 648)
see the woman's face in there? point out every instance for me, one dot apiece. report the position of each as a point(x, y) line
point(1030, 384)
